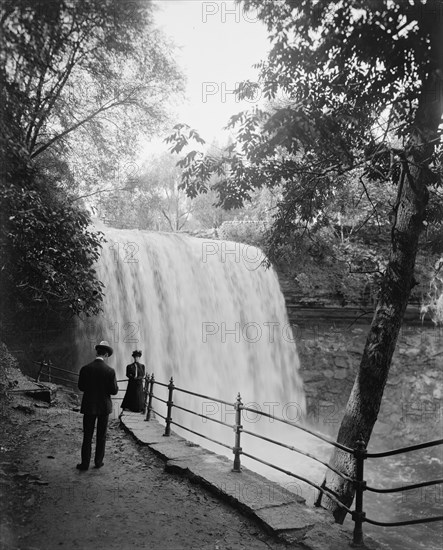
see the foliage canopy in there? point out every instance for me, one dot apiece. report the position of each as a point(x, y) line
point(354, 90)
point(98, 70)
point(338, 112)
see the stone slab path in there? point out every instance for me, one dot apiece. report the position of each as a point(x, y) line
point(276, 509)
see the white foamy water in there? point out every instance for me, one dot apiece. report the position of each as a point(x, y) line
point(212, 316)
point(205, 312)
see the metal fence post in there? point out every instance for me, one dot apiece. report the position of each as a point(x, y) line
point(318, 500)
point(170, 403)
point(360, 485)
point(49, 371)
point(42, 364)
point(145, 392)
point(237, 429)
point(150, 394)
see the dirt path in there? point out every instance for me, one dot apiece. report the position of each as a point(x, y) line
point(130, 503)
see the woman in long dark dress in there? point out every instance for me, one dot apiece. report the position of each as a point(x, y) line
point(134, 399)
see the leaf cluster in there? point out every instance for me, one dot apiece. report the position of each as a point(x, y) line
point(68, 64)
point(48, 250)
point(96, 69)
point(342, 86)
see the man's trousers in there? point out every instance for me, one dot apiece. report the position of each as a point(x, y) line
point(88, 433)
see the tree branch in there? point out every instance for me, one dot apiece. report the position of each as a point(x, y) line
point(100, 191)
point(169, 221)
point(101, 109)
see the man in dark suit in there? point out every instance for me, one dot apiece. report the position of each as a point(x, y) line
point(98, 382)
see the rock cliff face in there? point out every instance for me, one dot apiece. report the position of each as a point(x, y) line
point(411, 410)
point(330, 340)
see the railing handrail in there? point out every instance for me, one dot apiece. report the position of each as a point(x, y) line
point(307, 430)
point(383, 454)
point(402, 523)
point(50, 364)
point(274, 417)
point(161, 384)
point(55, 377)
point(301, 478)
point(203, 416)
point(160, 399)
point(433, 443)
point(405, 487)
point(201, 435)
point(215, 399)
point(359, 453)
point(292, 448)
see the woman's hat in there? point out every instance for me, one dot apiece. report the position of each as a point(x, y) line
point(104, 346)
point(136, 353)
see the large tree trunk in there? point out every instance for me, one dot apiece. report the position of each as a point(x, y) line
point(365, 399)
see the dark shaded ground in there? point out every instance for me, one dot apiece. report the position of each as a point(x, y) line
point(130, 503)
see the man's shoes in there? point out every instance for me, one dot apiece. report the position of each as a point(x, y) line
point(97, 466)
point(82, 467)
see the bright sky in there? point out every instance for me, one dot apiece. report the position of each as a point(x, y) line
point(217, 45)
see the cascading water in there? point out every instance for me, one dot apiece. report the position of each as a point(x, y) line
point(209, 314)
point(206, 312)
point(203, 311)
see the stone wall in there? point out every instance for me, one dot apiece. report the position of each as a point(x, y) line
point(411, 409)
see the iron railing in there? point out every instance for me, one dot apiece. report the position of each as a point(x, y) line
point(47, 369)
point(359, 453)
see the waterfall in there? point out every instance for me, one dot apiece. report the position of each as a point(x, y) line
point(207, 313)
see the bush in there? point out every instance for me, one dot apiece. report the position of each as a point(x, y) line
point(244, 231)
point(48, 250)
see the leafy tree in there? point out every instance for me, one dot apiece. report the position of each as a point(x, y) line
point(153, 200)
point(353, 88)
point(67, 66)
point(205, 209)
point(129, 208)
point(206, 213)
point(81, 82)
point(434, 304)
point(162, 176)
point(48, 250)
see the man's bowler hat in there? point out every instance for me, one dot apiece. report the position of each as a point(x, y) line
point(104, 347)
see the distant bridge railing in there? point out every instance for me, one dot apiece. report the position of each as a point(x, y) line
point(359, 453)
point(50, 372)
